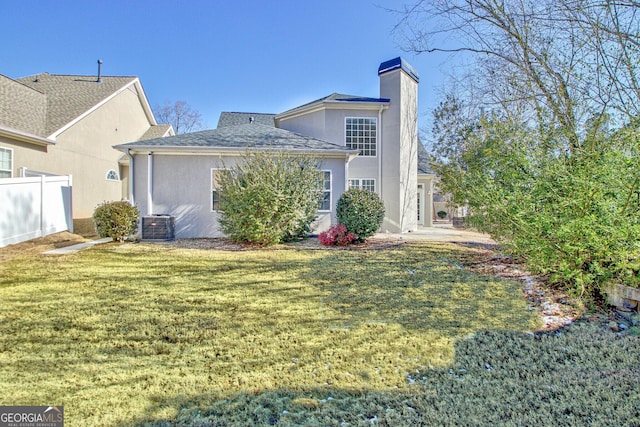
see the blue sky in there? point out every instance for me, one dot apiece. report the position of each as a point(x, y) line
point(217, 55)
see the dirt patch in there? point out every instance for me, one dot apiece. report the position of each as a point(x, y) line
point(85, 227)
point(41, 244)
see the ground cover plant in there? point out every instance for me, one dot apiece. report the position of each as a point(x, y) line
point(142, 334)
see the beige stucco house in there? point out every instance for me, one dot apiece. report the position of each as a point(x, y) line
point(358, 141)
point(67, 125)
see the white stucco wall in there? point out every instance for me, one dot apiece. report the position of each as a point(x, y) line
point(329, 125)
point(181, 187)
point(85, 151)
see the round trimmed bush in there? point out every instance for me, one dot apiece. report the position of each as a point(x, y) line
point(117, 220)
point(361, 211)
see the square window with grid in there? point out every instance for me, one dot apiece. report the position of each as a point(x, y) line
point(6, 157)
point(361, 134)
point(364, 183)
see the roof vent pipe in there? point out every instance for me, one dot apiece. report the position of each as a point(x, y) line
point(99, 80)
point(251, 119)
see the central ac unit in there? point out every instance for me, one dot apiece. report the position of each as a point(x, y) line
point(158, 227)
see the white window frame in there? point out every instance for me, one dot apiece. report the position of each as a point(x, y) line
point(366, 148)
point(213, 189)
point(358, 183)
point(115, 172)
point(10, 170)
point(325, 190)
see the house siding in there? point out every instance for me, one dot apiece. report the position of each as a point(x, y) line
point(85, 151)
point(312, 124)
point(181, 187)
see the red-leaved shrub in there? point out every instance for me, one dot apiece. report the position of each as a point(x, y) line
point(337, 235)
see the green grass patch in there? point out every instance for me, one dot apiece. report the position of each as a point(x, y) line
point(140, 333)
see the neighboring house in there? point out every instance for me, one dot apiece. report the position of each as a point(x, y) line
point(67, 125)
point(359, 142)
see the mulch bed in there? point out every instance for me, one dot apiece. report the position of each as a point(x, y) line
point(311, 243)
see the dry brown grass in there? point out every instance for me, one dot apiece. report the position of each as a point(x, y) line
point(127, 334)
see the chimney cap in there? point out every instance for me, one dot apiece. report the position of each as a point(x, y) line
point(398, 63)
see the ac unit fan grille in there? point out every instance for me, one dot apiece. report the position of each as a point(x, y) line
point(158, 227)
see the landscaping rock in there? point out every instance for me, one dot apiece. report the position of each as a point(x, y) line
point(555, 307)
point(613, 325)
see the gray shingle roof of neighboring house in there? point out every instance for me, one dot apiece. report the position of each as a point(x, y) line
point(424, 165)
point(157, 131)
point(21, 107)
point(240, 137)
point(235, 119)
point(68, 97)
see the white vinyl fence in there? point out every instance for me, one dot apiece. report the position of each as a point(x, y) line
point(34, 207)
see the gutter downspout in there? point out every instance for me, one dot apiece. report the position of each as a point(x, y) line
point(150, 183)
point(346, 174)
point(130, 156)
point(380, 151)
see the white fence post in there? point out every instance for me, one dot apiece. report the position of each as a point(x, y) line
point(42, 219)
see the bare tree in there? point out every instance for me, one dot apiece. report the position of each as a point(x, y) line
point(560, 61)
point(180, 115)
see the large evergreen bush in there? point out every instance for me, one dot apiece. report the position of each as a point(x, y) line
point(361, 211)
point(269, 197)
point(117, 220)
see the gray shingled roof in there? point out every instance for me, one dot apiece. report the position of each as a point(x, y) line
point(424, 165)
point(22, 108)
point(235, 119)
point(68, 97)
point(240, 137)
point(157, 131)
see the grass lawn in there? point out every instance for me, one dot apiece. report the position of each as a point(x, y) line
point(144, 334)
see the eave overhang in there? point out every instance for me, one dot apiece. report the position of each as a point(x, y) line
point(25, 137)
point(332, 105)
point(229, 151)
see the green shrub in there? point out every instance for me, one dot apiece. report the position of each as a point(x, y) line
point(442, 214)
point(117, 220)
point(361, 211)
point(572, 216)
point(269, 198)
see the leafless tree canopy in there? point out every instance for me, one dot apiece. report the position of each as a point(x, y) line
point(180, 115)
point(561, 61)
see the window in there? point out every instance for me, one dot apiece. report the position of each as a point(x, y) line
point(216, 189)
point(360, 134)
point(6, 162)
point(112, 175)
point(364, 183)
point(325, 188)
